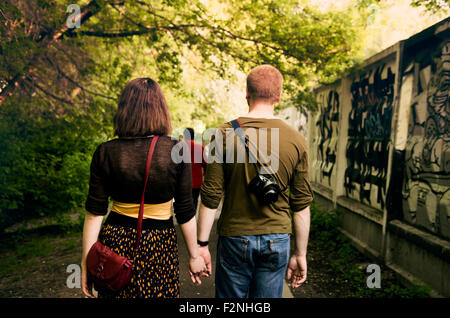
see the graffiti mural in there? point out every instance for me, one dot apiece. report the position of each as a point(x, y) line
point(296, 117)
point(426, 195)
point(327, 135)
point(302, 123)
point(369, 130)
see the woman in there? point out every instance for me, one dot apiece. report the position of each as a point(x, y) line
point(117, 172)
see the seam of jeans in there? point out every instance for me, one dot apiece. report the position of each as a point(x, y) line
point(244, 252)
point(243, 240)
point(279, 240)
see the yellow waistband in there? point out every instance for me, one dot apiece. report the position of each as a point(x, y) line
point(160, 211)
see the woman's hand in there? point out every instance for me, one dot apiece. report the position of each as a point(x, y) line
point(196, 268)
point(92, 225)
point(86, 286)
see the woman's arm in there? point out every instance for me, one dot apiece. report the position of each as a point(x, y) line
point(185, 214)
point(196, 262)
point(92, 225)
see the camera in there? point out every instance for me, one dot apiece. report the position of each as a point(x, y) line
point(266, 189)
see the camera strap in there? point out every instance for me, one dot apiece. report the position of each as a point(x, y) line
point(239, 131)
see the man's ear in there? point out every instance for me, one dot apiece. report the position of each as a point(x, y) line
point(279, 97)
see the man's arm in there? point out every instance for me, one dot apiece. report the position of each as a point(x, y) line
point(205, 223)
point(300, 199)
point(211, 193)
point(301, 228)
point(297, 267)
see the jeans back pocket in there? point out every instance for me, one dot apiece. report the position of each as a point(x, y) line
point(232, 251)
point(277, 253)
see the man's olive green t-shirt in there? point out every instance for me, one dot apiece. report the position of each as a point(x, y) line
point(242, 213)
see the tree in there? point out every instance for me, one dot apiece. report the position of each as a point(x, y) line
point(59, 86)
point(298, 40)
point(434, 6)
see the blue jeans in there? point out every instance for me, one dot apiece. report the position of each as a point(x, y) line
point(252, 265)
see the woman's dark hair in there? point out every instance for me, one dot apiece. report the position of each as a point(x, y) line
point(142, 110)
point(189, 133)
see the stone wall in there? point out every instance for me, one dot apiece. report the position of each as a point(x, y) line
point(426, 184)
point(380, 153)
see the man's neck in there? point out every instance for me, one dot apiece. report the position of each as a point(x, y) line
point(261, 110)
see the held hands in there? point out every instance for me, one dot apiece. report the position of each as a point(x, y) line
point(296, 271)
point(204, 253)
point(196, 268)
point(200, 266)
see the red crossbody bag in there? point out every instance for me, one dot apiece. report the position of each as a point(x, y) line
point(106, 269)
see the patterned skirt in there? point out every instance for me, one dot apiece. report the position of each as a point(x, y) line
point(156, 273)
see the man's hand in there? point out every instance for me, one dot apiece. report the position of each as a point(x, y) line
point(296, 270)
point(204, 252)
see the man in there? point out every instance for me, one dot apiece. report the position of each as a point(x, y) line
point(197, 162)
point(254, 237)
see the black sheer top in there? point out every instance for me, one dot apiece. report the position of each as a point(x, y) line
point(118, 171)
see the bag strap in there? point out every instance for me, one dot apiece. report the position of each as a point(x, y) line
point(141, 207)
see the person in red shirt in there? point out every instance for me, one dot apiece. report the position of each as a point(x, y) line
point(198, 163)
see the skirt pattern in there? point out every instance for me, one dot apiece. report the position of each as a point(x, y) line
point(156, 272)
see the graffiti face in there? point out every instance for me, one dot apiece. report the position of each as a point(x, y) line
point(426, 192)
point(369, 135)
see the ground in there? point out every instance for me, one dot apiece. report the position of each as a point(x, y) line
point(40, 270)
point(35, 265)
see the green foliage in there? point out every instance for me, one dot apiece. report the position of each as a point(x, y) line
point(324, 227)
point(304, 43)
point(434, 6)
point(44, 163)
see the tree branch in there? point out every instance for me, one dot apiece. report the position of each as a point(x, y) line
point(122, 34)
point(47, 39)
point(63, 74)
